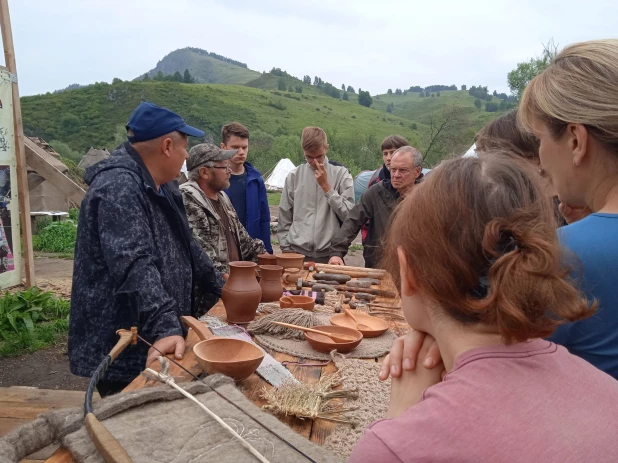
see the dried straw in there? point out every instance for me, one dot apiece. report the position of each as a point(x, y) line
point(299, 317)
point(310, 400)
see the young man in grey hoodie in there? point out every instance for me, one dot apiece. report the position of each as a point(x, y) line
point(316, 199)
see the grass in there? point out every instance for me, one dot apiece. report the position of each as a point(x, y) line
point(356, 247)
point(274, 198)
point(44, 335)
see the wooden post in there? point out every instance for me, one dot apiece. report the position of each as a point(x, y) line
point(22, 173)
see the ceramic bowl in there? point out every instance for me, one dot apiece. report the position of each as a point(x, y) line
point(377, 325)
point(290, 260)
point(297, 302)
point(267, 259)
point(231, 357)
point(324, 344)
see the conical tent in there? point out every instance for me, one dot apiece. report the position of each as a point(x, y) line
point(276, 180)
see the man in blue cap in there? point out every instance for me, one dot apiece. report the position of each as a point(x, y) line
point(136, 263)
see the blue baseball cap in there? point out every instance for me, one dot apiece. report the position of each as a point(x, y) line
point(150, 121)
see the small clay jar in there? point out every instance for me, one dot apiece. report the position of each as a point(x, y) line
point(241, 293)
point(270, 281)
point(291, 275)
point(267, 259)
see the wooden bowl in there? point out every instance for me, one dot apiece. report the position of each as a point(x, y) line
point(324, 344)
point(267, 259)
point(232, 357)
point(290, 260)
point(297, 302)
point(377, 325)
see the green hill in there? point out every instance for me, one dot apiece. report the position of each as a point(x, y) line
point(95, 116)
point(208, 68)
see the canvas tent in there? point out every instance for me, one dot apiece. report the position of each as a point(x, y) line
point(276, 179)
point(471, 152)
point(92, 157)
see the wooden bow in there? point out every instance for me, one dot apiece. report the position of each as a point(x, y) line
point(109, 448)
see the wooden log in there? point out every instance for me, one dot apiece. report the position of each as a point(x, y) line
point(330, 267)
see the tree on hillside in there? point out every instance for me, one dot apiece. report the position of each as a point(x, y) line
point(477, 103)
point(390, 107)
point(350, 89)
point(495, 94)
point(519, 77)
point(146, 77)
point(437, 93)
point(281, 84)
point(187, 78)
point(464, 87)
point(116, 80)
point(307, 80)
point(398, 92)
point(433, 95)
point(364, 99)
point(389, 91)
point(491, 107)
point(290, 89)
point(343, 87)
point(447, 131)
point(345, 96)
point(159, 76)
point(177, 77)
point(299, 89)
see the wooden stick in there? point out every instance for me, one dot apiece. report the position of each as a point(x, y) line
point(170, 382)
point(23, 194)
point(335, 337)
point(372, 304)
point(349, 267)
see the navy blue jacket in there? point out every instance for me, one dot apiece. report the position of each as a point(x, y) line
point(136, 264)
point(258, 212)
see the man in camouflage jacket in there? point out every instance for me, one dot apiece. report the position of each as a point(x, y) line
point(215, 224)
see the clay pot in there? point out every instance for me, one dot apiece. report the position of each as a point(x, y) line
point(267, 259)
point(270, 281)
point(298, 302)
point(290, 260)
point(241, 293)
point(291, 275)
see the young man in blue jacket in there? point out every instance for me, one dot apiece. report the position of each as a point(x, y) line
point(247, 191)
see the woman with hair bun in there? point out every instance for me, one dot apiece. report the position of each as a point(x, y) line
point(475, 251)
point(572, 110)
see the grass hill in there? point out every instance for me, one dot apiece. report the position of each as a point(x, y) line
point(205, 67)
point(96, 115)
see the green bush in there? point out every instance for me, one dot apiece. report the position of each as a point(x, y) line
point(20, 311)
point(56, 237)
point(74, 213)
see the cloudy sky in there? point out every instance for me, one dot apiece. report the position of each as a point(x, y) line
point(374, 45)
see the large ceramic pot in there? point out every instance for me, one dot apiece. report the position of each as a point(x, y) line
point(270, 281)
point(290, 260)
point(267, 259)
point(241, 293)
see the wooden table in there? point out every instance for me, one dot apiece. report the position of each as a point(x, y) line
point(315, 430)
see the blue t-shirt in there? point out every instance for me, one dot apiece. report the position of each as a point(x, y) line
point(594, 241)
point(237, 193)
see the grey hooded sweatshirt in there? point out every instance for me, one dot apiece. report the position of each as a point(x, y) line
point(308, 218)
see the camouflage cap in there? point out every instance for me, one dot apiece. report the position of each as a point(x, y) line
point(205, 152)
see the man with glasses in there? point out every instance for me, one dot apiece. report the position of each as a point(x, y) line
point(212, 217)
point(377, 204)
point(316, 199)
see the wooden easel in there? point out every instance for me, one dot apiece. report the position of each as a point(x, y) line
point(21, 170)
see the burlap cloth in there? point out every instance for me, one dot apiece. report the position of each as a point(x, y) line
point(368, 348)
point(372, 402)
point(155, 427)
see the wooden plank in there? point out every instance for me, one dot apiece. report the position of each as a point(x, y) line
point(61, 455)
point(36, 159)
point(23, 194)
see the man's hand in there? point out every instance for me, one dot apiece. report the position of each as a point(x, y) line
point(573, 214)
point(407, 390)
point(322, 177)
point(405, 352)
point(336, 261)
point(169, 345)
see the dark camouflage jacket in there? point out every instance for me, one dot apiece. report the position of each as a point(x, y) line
point(205, 223)
point(136, 264)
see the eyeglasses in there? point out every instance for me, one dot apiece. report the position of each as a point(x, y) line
point(227, 168)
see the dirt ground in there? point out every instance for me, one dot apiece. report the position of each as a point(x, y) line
point(49, 368)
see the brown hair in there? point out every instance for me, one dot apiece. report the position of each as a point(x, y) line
point(313, 139)
point(503, 134)
point(393, 142)
point(233, 129)
point(479, 237)
point(579, 86)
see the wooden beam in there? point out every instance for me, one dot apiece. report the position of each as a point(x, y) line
point(21, 171)
point(36, 159)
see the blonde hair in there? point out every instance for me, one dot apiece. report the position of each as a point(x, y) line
point(313, 138)
point(579, 86)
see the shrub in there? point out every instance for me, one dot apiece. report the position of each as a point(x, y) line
point(56, 237)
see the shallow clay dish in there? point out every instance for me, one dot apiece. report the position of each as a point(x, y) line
point(231, 357)
point(324, 344)
point(290, 260)
point(377, 326)
point(297, 302)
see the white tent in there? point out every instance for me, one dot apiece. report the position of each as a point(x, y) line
point(276, 180)
point(471, 152)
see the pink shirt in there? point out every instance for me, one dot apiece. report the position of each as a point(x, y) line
point(528, 402)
